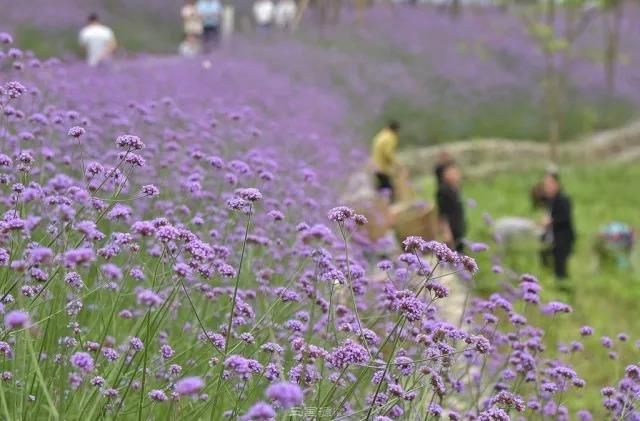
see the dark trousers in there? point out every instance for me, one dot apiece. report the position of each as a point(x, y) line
point(383, 182)
point(561, 253)
point(557, 254)
point(546, 256)
point(210, 36)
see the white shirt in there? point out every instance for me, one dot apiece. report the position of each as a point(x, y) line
point(189, 49)
point(263, 12)
point(285, 13)
point(98, 41)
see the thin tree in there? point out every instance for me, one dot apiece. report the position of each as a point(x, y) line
point(612, 22)
point(557, 49)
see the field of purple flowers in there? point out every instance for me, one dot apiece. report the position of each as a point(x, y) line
point(417, 63)
point(480, 75)
point(171, 248)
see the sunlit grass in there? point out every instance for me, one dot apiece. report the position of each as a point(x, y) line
point(604, 297)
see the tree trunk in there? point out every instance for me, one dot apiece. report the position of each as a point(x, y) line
point(304, 4)
point(563, 72)
point(613, 21)
point(336, 9)
point(361, 5)
point(551, 88)
point(554, 114)
point(323, 11)
point(456, 8)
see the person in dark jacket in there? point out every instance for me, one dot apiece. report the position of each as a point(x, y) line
point(560, 224)
point(450, 206)
point(441, 162)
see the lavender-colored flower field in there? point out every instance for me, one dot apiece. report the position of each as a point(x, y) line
point(449, 78)
point(172, 247)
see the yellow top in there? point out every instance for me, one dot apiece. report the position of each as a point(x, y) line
point(383, 153)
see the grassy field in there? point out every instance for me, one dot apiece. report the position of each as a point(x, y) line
point(604, 297)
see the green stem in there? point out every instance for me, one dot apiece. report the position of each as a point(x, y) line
point(144, 366)
point(386, 368)
point(233, 307)
point(43, 384)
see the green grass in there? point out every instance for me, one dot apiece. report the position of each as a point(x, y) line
point(604, 297)
point(459, 118)
point(49, 42)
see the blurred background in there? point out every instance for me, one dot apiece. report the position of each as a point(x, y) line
point(518, 70)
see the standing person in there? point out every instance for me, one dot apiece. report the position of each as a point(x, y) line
point(560, 223)
point(383, 155)
point(210, 12)
point(263, 13)
point(98, 41)
point(191, 20)
point(450, 206)
point(538, 201)
point(443, 159)
point(285, 13)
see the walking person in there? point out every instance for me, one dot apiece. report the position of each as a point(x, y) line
point(263, 11)
point(285, 13)
point(539, 201)
point(441, 162)
point(98, 41)
point(210, 12)
point(383, 155)
point(450, 205)
point(559, 222)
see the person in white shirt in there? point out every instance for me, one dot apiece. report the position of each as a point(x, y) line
point(98, 41)
point(285, 13)
point(263, 13)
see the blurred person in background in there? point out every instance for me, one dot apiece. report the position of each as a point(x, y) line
point(98, 41)
point(443, 159)
point(539, 201)
point(210, 12)
point(190, 46)
point(191, 20)
point(450, 205)
point(383, 156)
point(285, 13)
point(559, 223)
point(263, 11)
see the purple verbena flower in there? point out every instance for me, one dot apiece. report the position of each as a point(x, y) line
point(189, 386)
point(287, 395)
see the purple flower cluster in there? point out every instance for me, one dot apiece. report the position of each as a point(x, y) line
point(287, 395)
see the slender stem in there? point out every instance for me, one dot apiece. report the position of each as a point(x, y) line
point(5, 409)
point(232, 310)
point(195, 312)
point(352, 293)
point(235, 288)
point(144, 366)
point(43, 384)
point(386, 367)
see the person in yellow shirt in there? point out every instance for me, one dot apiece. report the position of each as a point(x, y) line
point(383, 155)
